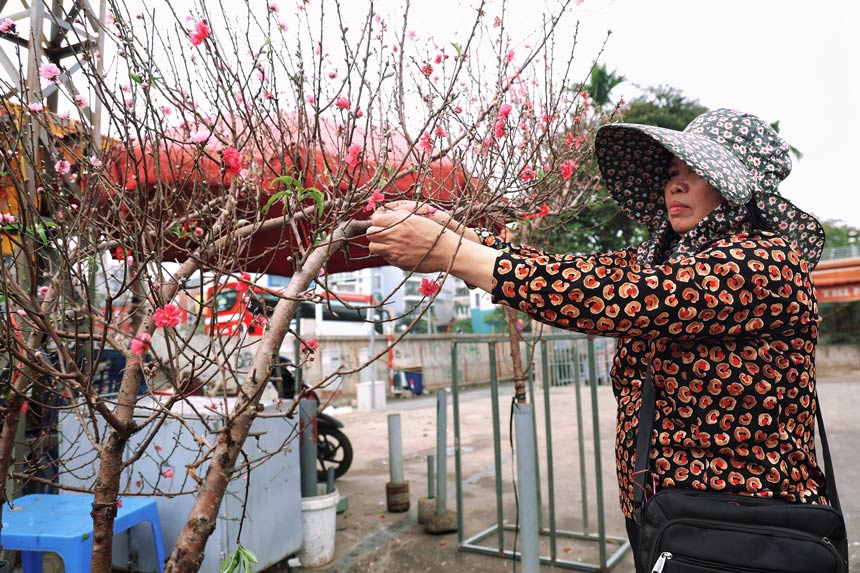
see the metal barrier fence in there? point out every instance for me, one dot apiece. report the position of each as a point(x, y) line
point(561, 358)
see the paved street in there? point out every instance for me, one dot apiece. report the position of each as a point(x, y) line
point(370, 539)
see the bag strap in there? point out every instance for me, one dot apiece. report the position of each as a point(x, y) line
point(643, 447)
point(643, 442)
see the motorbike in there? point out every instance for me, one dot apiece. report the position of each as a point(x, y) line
point(334, 449)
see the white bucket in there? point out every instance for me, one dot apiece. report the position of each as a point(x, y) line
point(319, 517)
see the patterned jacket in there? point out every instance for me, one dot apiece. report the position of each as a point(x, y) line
point(730, 335)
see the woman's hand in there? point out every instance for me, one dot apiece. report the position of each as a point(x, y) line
point(417, 243)
point(410, 241)
point(439, 216)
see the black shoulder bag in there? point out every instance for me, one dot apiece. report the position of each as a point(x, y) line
point(690, 531)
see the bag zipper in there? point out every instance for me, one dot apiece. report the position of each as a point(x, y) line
point(742, 499)
point(719, 566)
point(661, 562)
point(824, 541)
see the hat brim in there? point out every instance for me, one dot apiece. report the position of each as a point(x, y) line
point(634, 162)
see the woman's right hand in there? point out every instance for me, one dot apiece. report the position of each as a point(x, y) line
point(438, 216)
point(415, 243)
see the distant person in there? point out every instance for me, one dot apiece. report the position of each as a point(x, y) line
point(717, 302)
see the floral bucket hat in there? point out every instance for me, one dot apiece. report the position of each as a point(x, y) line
point(737, 153)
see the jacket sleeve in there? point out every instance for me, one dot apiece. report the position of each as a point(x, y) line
point(734, 287)
point(490, 239)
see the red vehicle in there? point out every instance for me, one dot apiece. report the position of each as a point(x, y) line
point(343, 314)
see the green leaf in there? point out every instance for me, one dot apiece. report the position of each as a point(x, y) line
point(275, 198)
point(136, 78)
point(288, 181)
point(246, 553)
point(240, 561)
point(457, 49)
point(230, 564)
point(318, 197)
point(85, 536)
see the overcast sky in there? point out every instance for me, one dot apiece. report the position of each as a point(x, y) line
point(782, 60)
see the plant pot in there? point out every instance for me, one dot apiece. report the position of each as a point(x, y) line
point(319, 517)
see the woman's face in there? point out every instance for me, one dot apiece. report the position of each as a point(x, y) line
point(689, 198)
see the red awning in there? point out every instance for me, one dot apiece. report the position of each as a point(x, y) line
point(181, 176)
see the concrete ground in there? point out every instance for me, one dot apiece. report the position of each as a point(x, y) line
point(371, 539)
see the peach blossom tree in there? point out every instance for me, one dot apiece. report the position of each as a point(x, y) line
point(255, 138)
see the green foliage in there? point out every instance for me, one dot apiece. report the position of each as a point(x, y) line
point(795, 152)
point(294, 188)
point(496, 319)
point(663, 106)
point(602, 83)
point(463, 325)
point(840, 322)
point(240, 561)
point(840, 234)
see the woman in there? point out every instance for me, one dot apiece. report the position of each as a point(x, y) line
point(717, 302)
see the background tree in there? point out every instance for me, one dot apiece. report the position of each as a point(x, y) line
point(601, 84)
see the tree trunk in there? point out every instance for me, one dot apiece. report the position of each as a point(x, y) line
point(189, 550)
point(516, 355)
point(110, 470)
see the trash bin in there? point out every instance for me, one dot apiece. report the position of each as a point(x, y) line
point(414, 381)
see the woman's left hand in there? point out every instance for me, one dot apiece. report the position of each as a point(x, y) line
point(410, 241)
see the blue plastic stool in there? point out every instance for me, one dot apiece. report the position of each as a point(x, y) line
point(62, 524)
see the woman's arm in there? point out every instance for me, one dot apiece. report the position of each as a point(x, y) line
point(417, 243)
point(736, 287)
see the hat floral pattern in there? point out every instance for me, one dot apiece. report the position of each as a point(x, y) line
point(739, 154)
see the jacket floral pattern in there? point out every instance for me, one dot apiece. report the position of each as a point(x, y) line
point(730, 334)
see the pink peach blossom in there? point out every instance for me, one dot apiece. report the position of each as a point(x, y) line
point(428, 287)
point(49, 72)
point(140, 343)
point(62, 167)
point(168, 315)
point(375, 199)
point(199, 136)
point(310, 346)
point(527, 174)
point(199, 33)
point(353, 152)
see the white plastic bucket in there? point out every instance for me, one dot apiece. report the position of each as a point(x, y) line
point(319, 517)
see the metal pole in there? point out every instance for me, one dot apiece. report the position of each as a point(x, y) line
point(308, 447)
point(549, 460)
point(601, 526)
point(526, 475)
point(535, 449)
point(583, 480)
point(441, 452)
point(395, 449)
point(497, 447)
point(458, 467)
point(372, 370)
